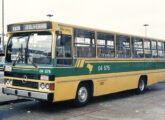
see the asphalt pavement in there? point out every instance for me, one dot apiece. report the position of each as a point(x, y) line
point(119, 106)
point(6, 99)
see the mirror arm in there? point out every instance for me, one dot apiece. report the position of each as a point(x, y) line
point(58, 32)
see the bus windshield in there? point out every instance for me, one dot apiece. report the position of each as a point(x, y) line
point(30, 48)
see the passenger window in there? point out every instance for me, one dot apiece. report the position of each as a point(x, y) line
point(161, 50)
point(154, 49)
point(123, 46)
point(84, 43)
point(137, 47)
point(63, 50)
point(147, 48)
point(105, 45)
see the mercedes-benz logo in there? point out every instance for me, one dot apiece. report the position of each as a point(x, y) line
point(25, 79)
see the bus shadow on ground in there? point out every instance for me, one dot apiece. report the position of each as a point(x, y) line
point(126, 94)
point(66, 106)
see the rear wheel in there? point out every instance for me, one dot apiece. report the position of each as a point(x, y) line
point(141, 86)
point(83, 95)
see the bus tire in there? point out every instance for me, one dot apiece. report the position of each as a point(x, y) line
point(83, 95)
point(141, 86)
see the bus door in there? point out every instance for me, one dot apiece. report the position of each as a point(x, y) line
point(64, 55)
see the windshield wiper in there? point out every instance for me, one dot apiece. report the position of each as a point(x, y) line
point(20, 55)
point(17, 59)
point(33, 63)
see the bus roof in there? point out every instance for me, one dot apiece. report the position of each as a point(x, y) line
point(28, 23)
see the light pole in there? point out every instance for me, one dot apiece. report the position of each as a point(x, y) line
point(3, 25)
point(49, 15)
point(145, 26)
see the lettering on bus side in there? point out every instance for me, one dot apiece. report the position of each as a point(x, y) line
point(104, 68)
point(45, 71)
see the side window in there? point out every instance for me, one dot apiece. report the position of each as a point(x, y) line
point(84, 43)
point(63, 50)
point(147, 48)
point(123, 46)
point(154, 49)
point(137, 47)
point(105, 45)
point(161, 50)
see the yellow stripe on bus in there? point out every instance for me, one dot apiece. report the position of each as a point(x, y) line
point(78, 63)
point(82, 63)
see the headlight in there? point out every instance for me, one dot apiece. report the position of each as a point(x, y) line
point(43, 86)
point(46, 86)
point(9, 82)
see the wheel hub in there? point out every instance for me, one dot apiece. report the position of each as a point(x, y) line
point(141, 85)
point(82, 94)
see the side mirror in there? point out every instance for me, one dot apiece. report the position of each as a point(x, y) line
point(57, 32)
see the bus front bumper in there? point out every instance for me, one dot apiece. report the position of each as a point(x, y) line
point(28, 94)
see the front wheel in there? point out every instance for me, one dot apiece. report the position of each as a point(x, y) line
point(82, 95)
point(141, 86)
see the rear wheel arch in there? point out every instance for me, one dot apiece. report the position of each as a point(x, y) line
point(89, 83)
point(145, 78)
point(84, 93)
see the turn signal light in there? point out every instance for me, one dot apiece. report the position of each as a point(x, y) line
point(51, 86)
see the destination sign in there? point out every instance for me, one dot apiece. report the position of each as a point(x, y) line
point(29, 26)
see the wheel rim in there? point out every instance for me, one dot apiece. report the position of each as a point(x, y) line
point(82, 94)
point(141, 85)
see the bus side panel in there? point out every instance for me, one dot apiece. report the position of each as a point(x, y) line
point(66, 87)
point(117, 84)
point(65, 90)
point(155, 77)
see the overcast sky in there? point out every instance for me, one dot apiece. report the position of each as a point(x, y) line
point(127, 16)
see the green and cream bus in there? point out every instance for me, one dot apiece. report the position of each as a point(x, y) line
point(54, 62)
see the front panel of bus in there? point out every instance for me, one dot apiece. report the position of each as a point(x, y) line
point(29, 61)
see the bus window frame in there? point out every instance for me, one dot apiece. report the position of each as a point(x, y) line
point(71, 47)
point(142, 40)
point(145, 49)
point(109, 34)
point(154, 49)
point(159, 49)
point(95, 43)
point(127, 38)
